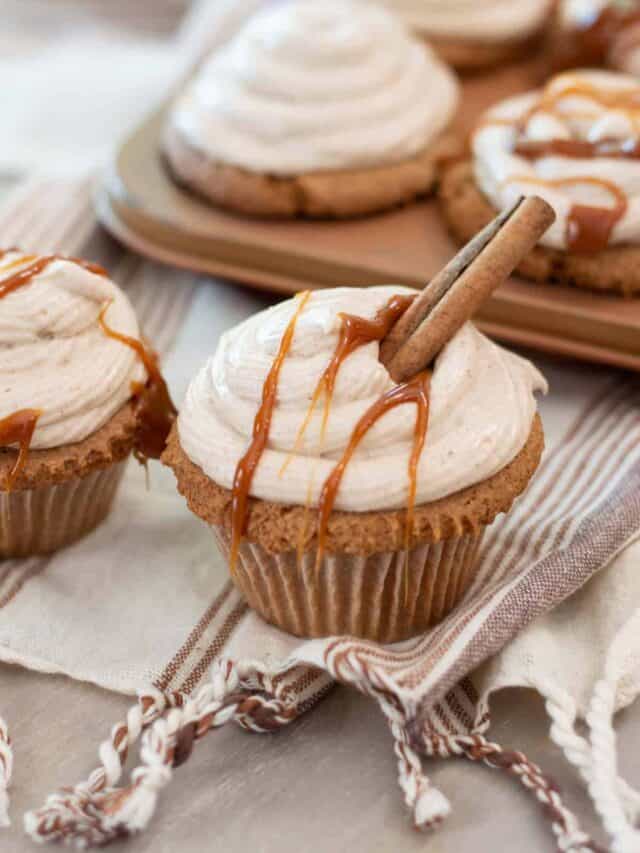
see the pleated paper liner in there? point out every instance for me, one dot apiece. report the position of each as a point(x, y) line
point(141, 205)
point(49, 517)
point(364, 596)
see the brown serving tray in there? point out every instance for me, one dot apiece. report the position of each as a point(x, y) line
point(143, 208)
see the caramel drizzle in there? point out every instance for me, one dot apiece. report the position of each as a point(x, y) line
point(415, 390)
point(18, 429)
point(247, 465)
point(355, 332)
point(624, 100)
point(577, 149)
point(34, 267)
point(156, 411)
point(589, 228)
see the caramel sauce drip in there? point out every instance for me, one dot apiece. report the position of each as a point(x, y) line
point(155, 409)
point(355, 332)
point(415, 390)
point(35, 266)
point(247, 465)
point(619, 149)
point(589, 228)
point(590, 45)
point(623, 100)
point(18, 429)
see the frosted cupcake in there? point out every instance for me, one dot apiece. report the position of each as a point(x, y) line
point(346, 502)
point(590, 33)
point(470, 34)
point(576, 144)
point(79, 393)
point(314, 109)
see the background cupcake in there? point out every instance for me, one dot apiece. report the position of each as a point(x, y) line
point(470, 34)
point(575, 143)
point(591, 33)
point(314, 109)
point(78, 393)
point(337, 538)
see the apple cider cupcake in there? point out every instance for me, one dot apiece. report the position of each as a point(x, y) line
point(471, 35)
point(349, 496)
point(324, 110)
point(576, 144)
point(79, 392)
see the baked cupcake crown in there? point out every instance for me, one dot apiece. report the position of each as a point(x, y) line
point(311, 87)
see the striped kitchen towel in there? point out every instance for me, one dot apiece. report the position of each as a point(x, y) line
point(144, 605)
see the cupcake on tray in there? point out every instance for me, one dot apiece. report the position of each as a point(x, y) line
point(470, 34)
point(79, 392)
point(575, 143)
point(347, 475)
point(325, 110)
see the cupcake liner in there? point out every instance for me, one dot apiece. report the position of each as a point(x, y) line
point(360, 595)
point(49, 517)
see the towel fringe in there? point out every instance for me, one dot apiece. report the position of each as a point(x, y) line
point(95, 813)
point(476, 747)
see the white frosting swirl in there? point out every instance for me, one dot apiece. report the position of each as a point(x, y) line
point(54, 355)
point(482, 407)
point(314, 86)
point(496, 20)
point(503, 175)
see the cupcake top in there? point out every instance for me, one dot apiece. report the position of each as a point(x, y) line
point(480, 401)
point(496, 20)
point(308, 86)
point(56, 357)
point(575, 143)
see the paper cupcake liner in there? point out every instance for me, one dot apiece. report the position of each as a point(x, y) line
point(44, 519)
point(351, 594)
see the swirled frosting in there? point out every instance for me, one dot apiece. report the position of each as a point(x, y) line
point(314, 86)
point(496, 20)
point(482, 407)
point(54, 356)
point(569, 108)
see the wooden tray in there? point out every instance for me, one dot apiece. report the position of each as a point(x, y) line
point(147, 211)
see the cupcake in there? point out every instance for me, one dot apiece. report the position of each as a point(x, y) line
point(324, 110)
point(79, 393)
point(472, 35)
point(590, 33)
point(346, 502)
point(576, 144)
